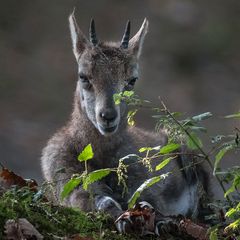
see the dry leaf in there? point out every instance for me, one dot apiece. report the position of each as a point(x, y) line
point(197, 231)
point(9, 178)
point(142, 218)
point(21, 229)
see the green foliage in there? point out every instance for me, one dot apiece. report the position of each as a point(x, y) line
point(219, 156)
point(70, 186)
point(163, 163)
point(128, 97)
point(130, 117)
point(233, 212)
point(235, 115)
point(123, 96)
point(193, 141)
point(86, 154)
point(128, 94)
point(170, 147)
point(85, 178)
point(234, 225)
point(180, 131)
point(231, 143)
point(145, 149)
point(148, 183)
point(214, 233)
point(95, 176)
point(177, 128)
point(235, 185)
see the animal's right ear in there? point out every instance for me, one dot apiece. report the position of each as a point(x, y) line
point(79, 41)
point(136, 42)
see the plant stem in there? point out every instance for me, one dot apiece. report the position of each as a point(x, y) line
point(199, 148)
point(86, 167)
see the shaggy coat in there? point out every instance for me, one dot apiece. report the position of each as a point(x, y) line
point(104, 69)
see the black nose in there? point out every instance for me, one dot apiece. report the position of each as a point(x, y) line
point(108, 115)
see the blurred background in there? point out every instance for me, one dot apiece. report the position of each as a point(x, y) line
point(191, 59)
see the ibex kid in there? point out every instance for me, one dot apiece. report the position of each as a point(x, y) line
point(105, 68)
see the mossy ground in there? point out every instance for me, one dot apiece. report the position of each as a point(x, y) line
point(51, 220)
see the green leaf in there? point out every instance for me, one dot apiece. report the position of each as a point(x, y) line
point(213, 233)
point(235, 115)
point(144, 149)
point(130, 116)
point(117, 97)
point(128, 93)
point(235, 184)
point(95, 176)
point(70, 186)
point(231, 212)
point(220, 155)
point(233, 225)
point(202, 116)
point(194, 141)
point(169, 148)
point(163, 163)
point(86, 154)
point(148, 183)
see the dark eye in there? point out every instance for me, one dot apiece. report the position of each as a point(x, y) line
point(130, 83)
point(85, 81)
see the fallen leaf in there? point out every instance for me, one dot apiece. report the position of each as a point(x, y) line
point(9, 178)
point(21, 229)
point(199, 232)
point(142, 217)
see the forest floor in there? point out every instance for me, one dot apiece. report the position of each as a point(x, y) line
point(26, 213)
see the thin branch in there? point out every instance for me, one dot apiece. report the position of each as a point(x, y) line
point(198, 147)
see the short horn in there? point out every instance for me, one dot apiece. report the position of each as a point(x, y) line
point(92, 33)
point(126, 36)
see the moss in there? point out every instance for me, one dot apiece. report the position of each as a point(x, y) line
point(52, 220)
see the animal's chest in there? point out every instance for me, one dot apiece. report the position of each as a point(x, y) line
point(110, 158)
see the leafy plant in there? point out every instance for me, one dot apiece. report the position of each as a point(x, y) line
point(148, 183)
point(181, 132)
point(85, 178)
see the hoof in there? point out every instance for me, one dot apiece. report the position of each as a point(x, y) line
point(139, 220)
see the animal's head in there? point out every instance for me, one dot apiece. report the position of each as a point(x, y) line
point(105, 69)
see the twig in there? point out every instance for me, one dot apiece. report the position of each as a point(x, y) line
point(198, 147)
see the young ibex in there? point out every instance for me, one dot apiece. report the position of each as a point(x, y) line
point(105, 68)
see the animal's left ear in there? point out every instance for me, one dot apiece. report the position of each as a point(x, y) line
point(136, 42)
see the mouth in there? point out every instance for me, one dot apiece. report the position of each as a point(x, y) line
point(107, 130)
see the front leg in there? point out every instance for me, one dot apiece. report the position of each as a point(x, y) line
point(108, 205)
point(97, 198)
point(61, 156)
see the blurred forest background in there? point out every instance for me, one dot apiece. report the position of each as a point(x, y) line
point(191, 59)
